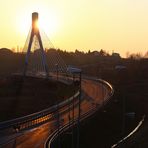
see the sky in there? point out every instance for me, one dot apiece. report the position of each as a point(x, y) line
point(113, 25)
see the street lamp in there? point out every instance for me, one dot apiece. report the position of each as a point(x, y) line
point(57, 66)
point(77, 71)
point(79, 110)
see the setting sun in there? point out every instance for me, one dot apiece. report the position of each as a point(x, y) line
point(48, 21)
point(37, 24)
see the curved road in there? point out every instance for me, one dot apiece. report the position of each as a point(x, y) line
point(93, 94)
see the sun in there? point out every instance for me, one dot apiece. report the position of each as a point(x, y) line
point(48, 21)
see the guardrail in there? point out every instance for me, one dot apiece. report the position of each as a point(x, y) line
point(101, 81)
point(122, 141)
point(110, 88)
point(62, 129)
point(35, 118)
point(108, 85)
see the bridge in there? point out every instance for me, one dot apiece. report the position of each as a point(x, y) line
point(42, 128)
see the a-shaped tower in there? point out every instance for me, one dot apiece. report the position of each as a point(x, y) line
point(35, 33)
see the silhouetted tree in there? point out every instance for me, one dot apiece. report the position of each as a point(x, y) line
point(103, 53)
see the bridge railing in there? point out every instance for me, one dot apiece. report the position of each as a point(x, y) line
point(109, 86)
point(32, 119)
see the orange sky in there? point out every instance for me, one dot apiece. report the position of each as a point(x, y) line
point(114, 25)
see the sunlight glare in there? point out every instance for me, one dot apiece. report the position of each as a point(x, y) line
point(36, 24)
point(48, 20)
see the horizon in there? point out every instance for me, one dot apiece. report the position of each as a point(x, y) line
point(114, 26)
point(107, 54)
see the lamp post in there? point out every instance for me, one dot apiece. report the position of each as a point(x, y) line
point(79, 112)
point(76, 71)
point(57, 71)
point(73, 112)
point(16, 128)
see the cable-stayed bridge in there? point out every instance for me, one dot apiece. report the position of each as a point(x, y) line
point(36, 47)
point(41, 128)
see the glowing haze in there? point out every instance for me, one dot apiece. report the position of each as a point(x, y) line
point(112, 25)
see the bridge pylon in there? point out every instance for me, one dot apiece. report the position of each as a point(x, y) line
point(35, 33)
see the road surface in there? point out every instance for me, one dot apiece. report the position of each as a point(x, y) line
point(94, 94)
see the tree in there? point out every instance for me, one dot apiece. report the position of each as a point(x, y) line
point(103, 53)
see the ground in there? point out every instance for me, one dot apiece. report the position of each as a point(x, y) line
point(22, 97)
